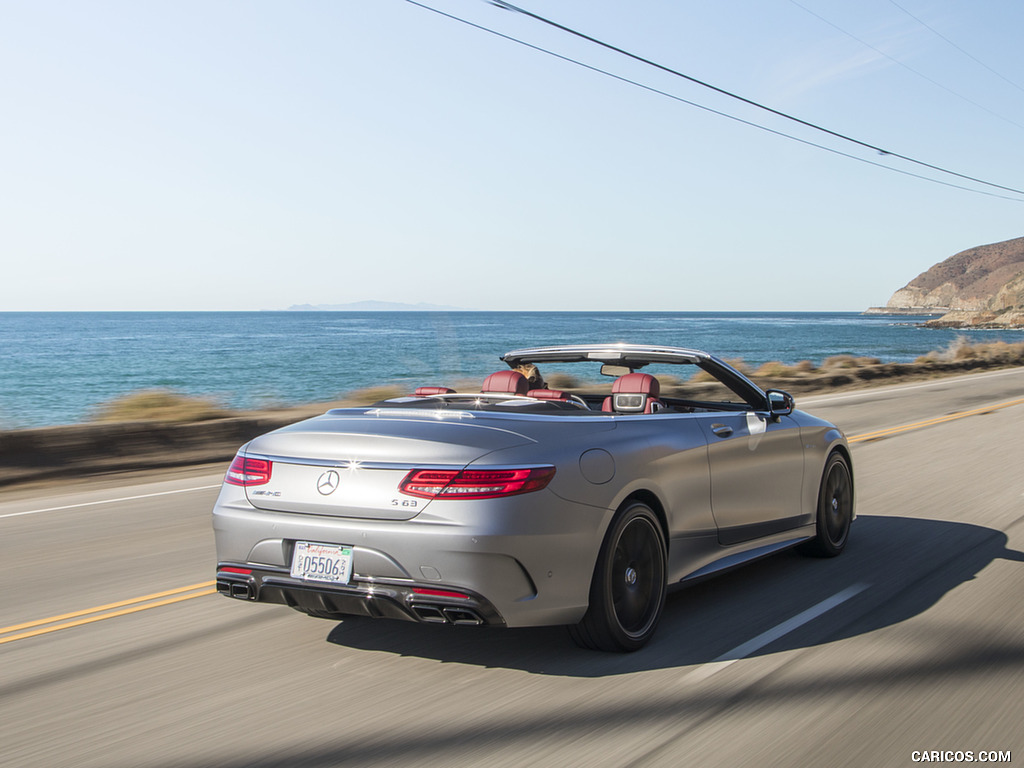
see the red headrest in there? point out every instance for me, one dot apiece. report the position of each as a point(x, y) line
point(547, 394)
point(637, 384)
point(508, 382)
point(425, 391)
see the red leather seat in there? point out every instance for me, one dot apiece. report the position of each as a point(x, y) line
point(505, 382)
point(634, 393)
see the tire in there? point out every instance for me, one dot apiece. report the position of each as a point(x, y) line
point(627, 593)
point(835, 510)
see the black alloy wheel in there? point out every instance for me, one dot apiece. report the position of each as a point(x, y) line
point(627, 594)
point(835, 509)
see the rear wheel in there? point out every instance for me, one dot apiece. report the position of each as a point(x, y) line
point(627, 593)
point(835, 510)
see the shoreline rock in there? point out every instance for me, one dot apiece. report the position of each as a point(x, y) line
point(906, 311)
point(1010, 319)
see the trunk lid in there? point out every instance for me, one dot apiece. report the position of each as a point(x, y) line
point(350, 464)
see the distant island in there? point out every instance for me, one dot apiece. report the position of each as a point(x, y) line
point(374, 306)
point(981, 287)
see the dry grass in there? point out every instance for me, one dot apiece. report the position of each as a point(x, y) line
point(667, 381)
point(562, 380)
point(159, 405)
point(848, 361)
point(735, 362)
point(961, 349)
point(775, 369)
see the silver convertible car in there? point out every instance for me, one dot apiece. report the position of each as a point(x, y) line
point(524, 504)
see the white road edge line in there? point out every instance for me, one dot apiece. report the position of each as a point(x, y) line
point(755, 644)
point(110, 501)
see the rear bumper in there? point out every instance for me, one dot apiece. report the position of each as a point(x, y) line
point(524, 561)
point(362, 597)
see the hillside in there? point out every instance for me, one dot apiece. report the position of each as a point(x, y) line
point(979, 287)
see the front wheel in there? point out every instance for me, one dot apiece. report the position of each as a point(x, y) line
point(835, 510)
point(627, 594)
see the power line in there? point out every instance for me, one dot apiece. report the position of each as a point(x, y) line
point(973, 58)
point(705, 108)
point(509, 7)
point(906, 66)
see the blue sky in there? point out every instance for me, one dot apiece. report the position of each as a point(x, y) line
point(255, 155)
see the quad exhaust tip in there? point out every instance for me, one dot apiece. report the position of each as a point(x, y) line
point(240, 590)
point(446, 614)
point(462, 617)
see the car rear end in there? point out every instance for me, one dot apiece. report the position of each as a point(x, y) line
point(440, 518)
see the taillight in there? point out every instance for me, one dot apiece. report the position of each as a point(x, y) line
point(437, 592)
point(246, 471)
point(475, 483)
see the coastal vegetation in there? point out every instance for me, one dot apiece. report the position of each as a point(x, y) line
point(170, 406)
point(995, 352)
point(851, 372)
point(163, 429)
point(803, 377)
point(159, 405)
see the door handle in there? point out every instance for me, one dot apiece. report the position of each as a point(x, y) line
point(721, 430)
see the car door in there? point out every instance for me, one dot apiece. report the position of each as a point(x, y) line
point(756, 465)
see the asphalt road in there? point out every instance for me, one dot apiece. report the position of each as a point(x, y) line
point(912, 641)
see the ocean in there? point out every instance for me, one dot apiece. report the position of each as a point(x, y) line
point(55, 367)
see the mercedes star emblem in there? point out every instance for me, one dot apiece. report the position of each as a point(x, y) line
point(328, 482)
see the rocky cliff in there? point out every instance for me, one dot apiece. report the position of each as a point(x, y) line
point(979, 287)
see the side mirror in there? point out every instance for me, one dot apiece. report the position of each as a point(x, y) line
point(779, 403)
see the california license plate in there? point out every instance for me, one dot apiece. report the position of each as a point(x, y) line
point(322, 562)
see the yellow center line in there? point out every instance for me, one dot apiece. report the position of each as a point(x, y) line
point(108, 611)
point(880, 433)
